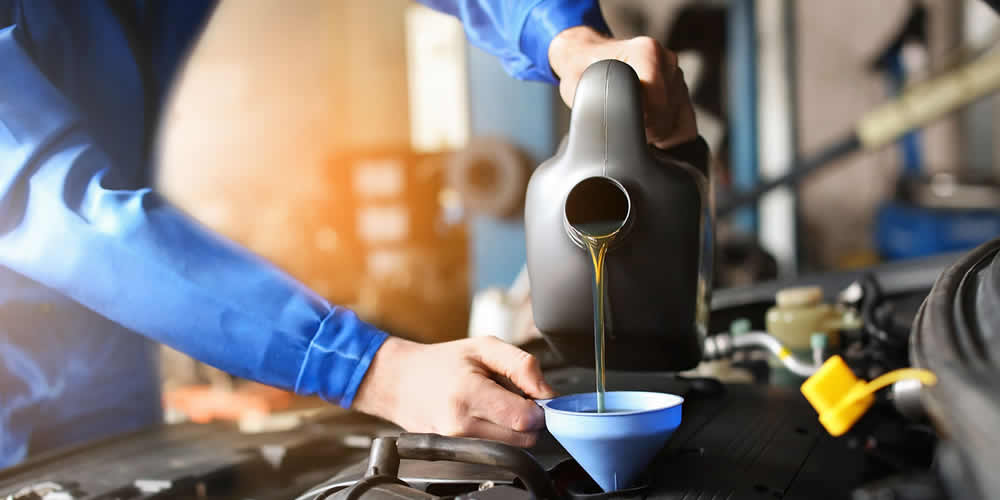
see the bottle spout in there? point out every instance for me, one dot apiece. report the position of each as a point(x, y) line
point(597, 207)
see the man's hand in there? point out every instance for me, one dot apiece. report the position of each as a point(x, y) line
point(449, 389)
point(669, 115)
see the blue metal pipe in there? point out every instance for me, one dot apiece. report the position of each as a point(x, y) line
point(741, 39)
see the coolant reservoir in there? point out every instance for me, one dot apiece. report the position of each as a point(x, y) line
point(801, 312)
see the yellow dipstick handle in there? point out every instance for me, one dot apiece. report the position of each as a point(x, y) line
point(841, 399)
point(925, 377)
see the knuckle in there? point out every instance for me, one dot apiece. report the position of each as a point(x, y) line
point(483, 343)
point(527, 361)
point(520, 422)
point(491, 341)
point(532, 360)
point(501, 408)
point(456, 425)
point(462, 407)
point(461, 427)
point(457, 405)
point(517, 421)
point(471, 346)
point(647, 46)
point(527, 440)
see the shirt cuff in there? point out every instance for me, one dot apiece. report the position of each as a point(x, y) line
point(546, 20)
point(338, 357)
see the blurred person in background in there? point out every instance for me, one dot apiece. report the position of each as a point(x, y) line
point(94, 265)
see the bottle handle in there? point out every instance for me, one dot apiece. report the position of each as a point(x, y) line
point(607, 118)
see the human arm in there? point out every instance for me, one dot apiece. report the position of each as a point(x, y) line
point(270, 113)
point(131, 257)
point(453, 389)
point(518, 32)
point(555, 40)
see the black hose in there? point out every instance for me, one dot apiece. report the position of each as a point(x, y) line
point(805, 167)
point(882, 346)
point(872, 320)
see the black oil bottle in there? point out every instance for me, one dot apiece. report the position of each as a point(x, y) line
point(657, 266)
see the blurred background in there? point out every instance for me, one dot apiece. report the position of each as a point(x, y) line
point(403, 199)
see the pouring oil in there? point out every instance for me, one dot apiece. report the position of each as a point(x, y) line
point(598, 236)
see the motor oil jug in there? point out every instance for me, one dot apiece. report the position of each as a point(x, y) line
point(656, 210)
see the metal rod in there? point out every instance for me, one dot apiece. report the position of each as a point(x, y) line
point(742, 49)
point(837, 150)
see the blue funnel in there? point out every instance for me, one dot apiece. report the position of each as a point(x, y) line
point(616, 446)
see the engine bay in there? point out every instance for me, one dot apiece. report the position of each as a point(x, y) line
point(753, 439)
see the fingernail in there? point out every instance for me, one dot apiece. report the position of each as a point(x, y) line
point(530, 440)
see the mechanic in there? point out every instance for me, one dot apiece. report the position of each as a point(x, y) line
point(94, 265)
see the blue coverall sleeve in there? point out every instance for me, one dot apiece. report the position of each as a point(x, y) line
point(519, 32)
point(134, 259)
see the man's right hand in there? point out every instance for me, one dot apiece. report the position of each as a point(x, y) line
point(449, 389)
point(669, 114)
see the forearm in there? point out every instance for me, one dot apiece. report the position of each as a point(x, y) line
point(519, 32)
point(131, 257)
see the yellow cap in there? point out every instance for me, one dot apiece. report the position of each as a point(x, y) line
point(831, 385)
point(841, 399)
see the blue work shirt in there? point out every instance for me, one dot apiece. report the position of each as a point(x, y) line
point(94, 264)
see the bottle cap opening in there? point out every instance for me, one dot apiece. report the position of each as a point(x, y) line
point(596, 204)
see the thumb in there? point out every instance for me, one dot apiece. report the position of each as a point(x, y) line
point(516, 365)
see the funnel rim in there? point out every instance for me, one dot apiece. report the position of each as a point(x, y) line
point(676, 401)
